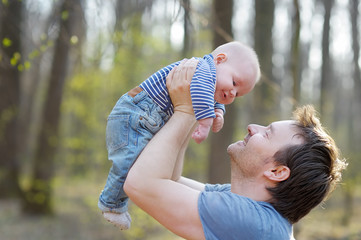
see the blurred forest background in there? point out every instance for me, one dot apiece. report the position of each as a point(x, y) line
point(64, 64)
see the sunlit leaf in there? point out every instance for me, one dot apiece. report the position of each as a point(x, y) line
point(74, 40)
point(43, 48)
point(27, 65)
point(7, 42)
point(64, 15)
point(17, 55)
point(13, 61)
point(20, 67)
point(33, 54)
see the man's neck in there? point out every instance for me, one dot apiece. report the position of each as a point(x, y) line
point(253, 188)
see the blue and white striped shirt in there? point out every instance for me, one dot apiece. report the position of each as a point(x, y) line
point(202, 88)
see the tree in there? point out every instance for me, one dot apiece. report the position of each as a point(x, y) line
point(10, 66)
point(353, 119)
point(187, 26)
point(219, 169)
point(264, 97)
point(38, 199)
point(326, 68)
point(356, 109)
point(130, 29)
point(295, 51)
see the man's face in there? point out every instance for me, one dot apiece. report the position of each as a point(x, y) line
point(256, 151)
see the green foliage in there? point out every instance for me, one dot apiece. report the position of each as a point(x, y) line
point(33, 54)
point(91, 94)
point(64, 15)
point(25, 64)
point(84, 112)
point(74, 40)
point(7, 42)
point(15, 59)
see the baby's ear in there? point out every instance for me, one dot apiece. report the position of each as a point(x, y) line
point(220, 57)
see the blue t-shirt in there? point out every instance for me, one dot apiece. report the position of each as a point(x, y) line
point(225, 215)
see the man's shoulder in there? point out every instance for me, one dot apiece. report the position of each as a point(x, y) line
point(240, 215)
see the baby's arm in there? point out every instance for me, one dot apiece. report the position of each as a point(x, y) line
point(218, 121)
point(204, 125)
point(202, 130)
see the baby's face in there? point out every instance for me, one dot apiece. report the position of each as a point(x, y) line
point(233, 80)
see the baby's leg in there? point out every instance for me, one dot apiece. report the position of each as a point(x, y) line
point(122, 151)
point(131, 125)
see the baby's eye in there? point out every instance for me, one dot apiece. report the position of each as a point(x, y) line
point(234, 83)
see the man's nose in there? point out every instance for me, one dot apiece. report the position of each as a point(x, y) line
point(254, 128)
point(251, 129)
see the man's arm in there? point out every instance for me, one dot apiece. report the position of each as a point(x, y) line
point(177, 172)
point(149, 183)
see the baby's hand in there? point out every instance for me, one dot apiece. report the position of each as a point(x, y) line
point(202, 130)
point(218, 122)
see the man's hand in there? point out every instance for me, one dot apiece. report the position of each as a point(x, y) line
point(178, 84)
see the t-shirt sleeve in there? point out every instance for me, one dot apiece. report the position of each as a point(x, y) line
point(220, 106)
point(218, 187)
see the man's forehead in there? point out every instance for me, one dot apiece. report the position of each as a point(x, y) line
point(287, 128)
point(284, 125)
point(285, 122)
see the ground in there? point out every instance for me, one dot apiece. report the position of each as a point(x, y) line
point(77, 217)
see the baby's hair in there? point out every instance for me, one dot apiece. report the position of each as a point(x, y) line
point(245, 51)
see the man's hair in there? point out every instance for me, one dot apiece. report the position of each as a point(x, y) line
point(315, 168)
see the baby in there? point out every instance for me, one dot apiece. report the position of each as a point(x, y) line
point(230, 71)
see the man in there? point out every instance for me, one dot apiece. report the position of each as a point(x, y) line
point(278, 174)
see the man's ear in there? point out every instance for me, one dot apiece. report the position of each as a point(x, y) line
point(220, 57)
point(277, 173)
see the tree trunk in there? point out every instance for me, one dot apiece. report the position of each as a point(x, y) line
point(356, 104)
point(295, 52)
point(39, 198)
point(132, 30)
point(265, 98)
point(326, 70)
point(187, 39)
point(10, 57)
point(219, 165)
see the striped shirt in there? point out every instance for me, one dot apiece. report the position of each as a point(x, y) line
point(202, 88)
